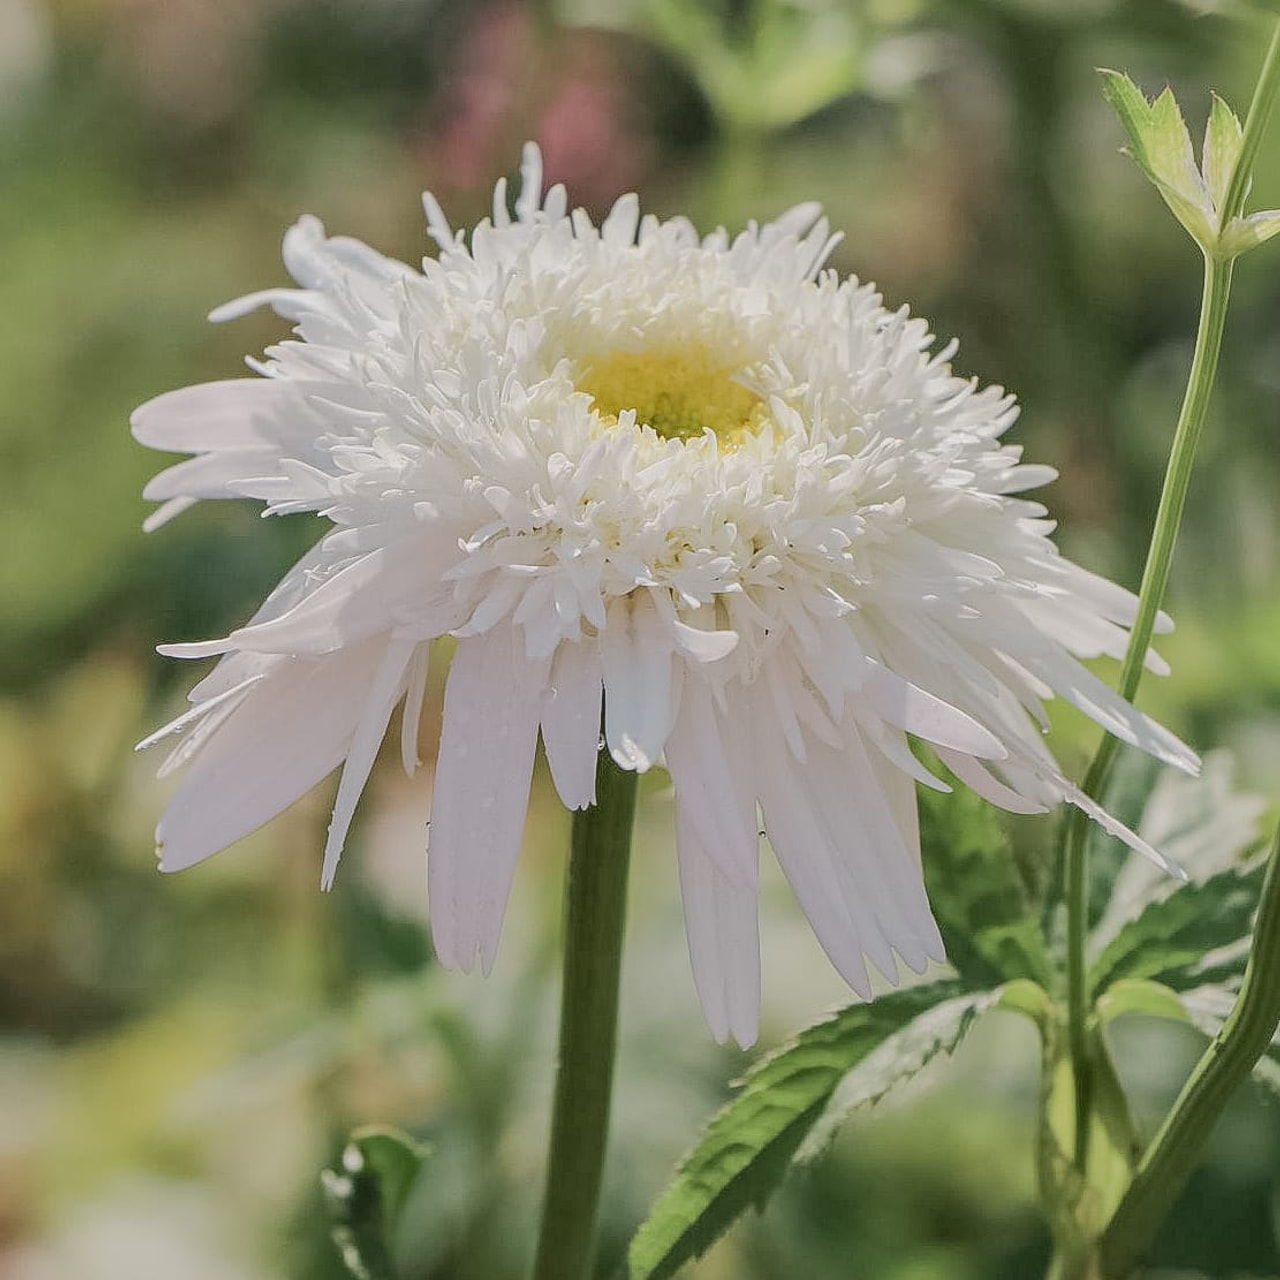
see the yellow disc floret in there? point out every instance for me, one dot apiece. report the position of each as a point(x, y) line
point(679, 394)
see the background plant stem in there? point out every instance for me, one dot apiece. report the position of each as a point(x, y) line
point(595, 909)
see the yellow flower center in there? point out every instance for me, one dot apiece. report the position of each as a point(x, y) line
point(677, 393)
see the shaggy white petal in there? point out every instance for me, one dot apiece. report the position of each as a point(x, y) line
point(1103, 705)
point(200, 710)
point(1114, 827)
point(909, 707)
point(274, 747)
point(882, 866)
point(213, 416)
point(704, 480)
point(722, 926)
point(492, 703)
point(571, 722)
point(804, 850)
point(211, 474)
point(384, 692)
point(390, 587)
point(415, 692)
point(715, 801)
point(636, 649)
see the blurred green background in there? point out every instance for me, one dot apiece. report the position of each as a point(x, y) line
point(180, 1056)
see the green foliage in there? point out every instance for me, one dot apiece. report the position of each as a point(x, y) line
point(1243, 234)
point(899, 1057)
point(800, 1092)
point(1161, 146)
point(978, 897)
point(1207, 1009)
point(768, 64)
point(1139, 995)
point(1127, 796)
point(1183, 934)
point(1173, 935)
point(366, 1195)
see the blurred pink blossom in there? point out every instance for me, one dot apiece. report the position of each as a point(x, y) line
point(567, 91)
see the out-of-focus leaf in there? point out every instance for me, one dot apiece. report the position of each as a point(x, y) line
point(1169, 939)
point(1202, 824)
point(1128, 791)
point(749, 1147)
point(978, 898)
point(378, 940)
point(1242, 9)
point(1138, 995)
point(1207, 1009)
point(770, 66)
point(366, 1195)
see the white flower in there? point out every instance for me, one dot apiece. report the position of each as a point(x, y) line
point(704, 477)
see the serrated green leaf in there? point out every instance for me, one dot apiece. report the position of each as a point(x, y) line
point(897, 1059)
point(748, 1147)
point(1222, 140)
point(1202, 824)
point(366, 1194)
point(1168, 149)
point(1131, 105)
point(1169, 938)
point(1243, 234)
point(978, 898)
point(1161, 146)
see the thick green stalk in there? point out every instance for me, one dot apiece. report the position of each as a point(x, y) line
point(1226, 1064)
point(595, 908)
point(1195, 404)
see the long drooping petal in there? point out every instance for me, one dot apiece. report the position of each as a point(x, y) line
point(571, 721)
point(492, 704)
point(714, 792)
point(385, 691)
point(722, 926)
point(639, 673)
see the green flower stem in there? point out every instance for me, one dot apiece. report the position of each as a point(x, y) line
point(1255, 124)
point(1204, 364)
point(1226, 1064)
point(595, 909)
point(1155, 577)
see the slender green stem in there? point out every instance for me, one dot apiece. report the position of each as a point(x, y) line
point(1174, 1151)
point(1195, 404)
point(595, 908)
point(1186, 440)
point(1255, 124)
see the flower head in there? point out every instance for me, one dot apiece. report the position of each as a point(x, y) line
point(703, 480)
